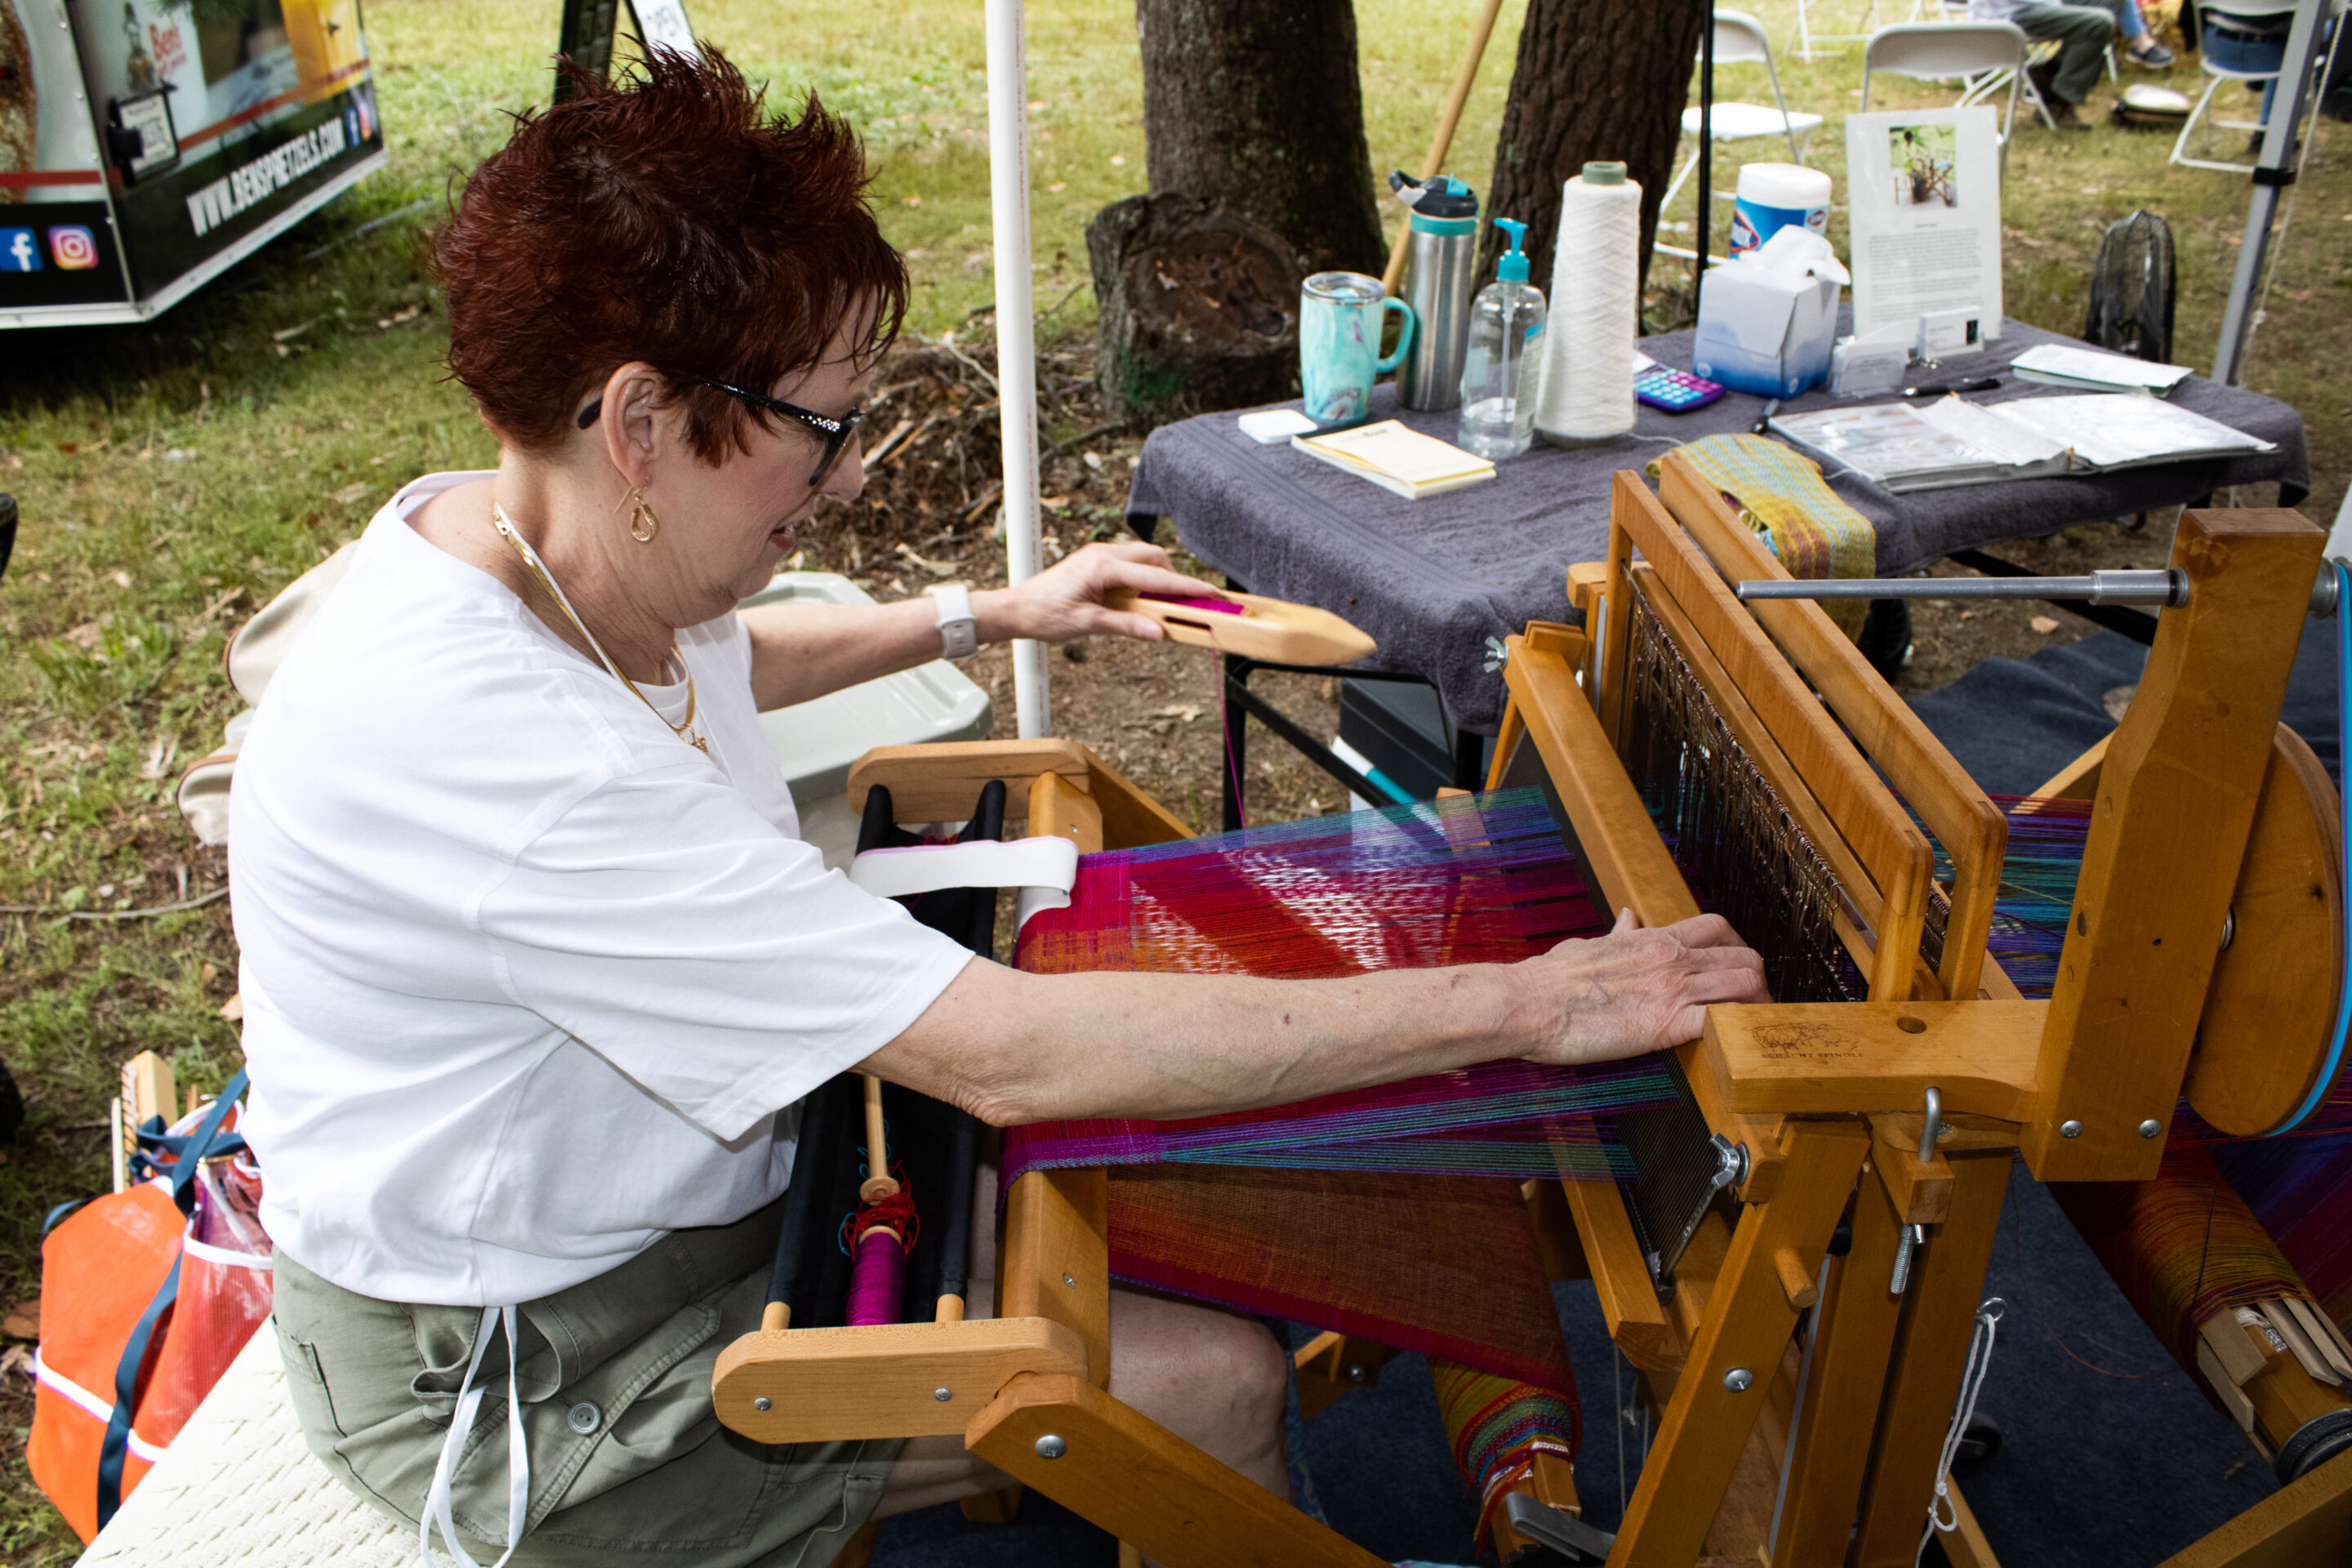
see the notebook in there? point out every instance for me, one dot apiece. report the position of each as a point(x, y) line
point(1947, 443)
point(1397, 459)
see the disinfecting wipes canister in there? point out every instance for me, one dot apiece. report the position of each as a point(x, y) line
point(1774, 195)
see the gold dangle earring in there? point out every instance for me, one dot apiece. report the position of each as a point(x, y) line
point(643, 523)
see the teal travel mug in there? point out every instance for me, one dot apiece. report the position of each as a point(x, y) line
point(1339, 344)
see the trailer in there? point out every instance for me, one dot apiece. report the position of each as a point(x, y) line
point(147, 146)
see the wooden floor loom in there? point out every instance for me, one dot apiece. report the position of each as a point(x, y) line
point(1843, 1163)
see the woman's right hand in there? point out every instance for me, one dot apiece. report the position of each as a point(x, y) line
point(1637, 990)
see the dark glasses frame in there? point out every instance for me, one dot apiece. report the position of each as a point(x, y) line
point(836, 431)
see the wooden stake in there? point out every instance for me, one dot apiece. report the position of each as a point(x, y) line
point(1435, 164)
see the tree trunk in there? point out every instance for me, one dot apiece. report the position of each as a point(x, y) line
point(1255, 106)
point(1199, 309)
point(1595, 79)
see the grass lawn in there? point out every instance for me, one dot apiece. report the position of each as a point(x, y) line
point(174, 477)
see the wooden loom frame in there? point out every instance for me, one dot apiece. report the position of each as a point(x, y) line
point(1823, 1097)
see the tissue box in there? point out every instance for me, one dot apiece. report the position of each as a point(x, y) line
point(1767, 322)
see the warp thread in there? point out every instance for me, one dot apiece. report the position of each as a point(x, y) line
point(1496, 1427)
point(1586, 390)
point(1472, 879)
point(1734, 840)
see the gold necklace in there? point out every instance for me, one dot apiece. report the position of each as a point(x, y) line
point(684, 731)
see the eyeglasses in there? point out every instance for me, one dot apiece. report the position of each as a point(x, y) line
point(836, 432)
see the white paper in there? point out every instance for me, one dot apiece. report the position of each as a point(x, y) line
point(2068, 367)
point(2019, 440)
point(1925, 228)
point(2126, 429)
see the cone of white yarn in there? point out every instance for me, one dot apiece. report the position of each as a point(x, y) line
point(1586, 392)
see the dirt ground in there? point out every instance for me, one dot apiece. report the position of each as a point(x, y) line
point(929, 513)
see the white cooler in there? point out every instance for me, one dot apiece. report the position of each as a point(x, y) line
point(815, 741)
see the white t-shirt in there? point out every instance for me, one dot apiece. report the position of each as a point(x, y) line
point(526, 978)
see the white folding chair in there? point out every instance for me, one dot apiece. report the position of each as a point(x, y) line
point(1984, 56)
point(1738, 40)
point(1807, 38)
point(2248, 10)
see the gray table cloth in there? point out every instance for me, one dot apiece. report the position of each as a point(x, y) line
point(1432, 580)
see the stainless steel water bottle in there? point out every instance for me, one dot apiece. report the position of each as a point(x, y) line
point(1440, 254)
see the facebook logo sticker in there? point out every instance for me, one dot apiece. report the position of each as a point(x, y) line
point(17, 251)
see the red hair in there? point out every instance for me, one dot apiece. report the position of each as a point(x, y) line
point(661, 219)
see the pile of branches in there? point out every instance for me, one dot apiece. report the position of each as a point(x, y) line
point(933, 502)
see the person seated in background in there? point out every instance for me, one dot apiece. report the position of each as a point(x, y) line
point(2083, 32)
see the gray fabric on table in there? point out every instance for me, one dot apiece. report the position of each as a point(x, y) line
point(1431, 579)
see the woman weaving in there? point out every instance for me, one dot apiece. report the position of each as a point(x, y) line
point(536, 967)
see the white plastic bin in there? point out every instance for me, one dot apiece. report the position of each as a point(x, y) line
point(816, 741)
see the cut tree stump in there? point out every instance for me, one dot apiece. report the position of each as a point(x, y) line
point(1199, 309)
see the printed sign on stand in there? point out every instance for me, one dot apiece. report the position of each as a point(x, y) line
point(1924, 203)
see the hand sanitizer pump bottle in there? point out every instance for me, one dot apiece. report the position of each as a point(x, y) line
point(1506, 355)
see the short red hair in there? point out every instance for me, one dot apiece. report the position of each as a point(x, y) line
point(661, 219)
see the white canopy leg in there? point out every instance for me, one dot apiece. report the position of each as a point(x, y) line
point(1016, 338)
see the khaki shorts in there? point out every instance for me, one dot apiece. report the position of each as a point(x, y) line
point(625, 1455)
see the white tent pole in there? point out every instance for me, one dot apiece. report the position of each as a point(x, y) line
point(1016, 338)
point(2276, 166)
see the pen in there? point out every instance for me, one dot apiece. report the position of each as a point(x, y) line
point(1984, 383)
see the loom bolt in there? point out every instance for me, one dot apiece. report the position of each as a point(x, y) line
point(2150, 1128)
point(1730, 1162)
point(1739, 1379)
point(1050, 1446)
point(764, 1404)
point(1906, 1242)
point(942, 1395)
point(1932, 1128)
point(2070, 1128)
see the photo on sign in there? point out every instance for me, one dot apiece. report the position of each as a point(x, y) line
point(1925, 159)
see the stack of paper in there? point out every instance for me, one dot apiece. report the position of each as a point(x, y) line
point(2086, 370)
point(1397, 458)
point(1938, 445)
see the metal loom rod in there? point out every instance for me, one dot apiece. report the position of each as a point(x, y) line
point(2160, 585)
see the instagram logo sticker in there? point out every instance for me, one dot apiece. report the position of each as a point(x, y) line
point(73, 247)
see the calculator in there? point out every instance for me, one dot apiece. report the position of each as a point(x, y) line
point(1675, 390)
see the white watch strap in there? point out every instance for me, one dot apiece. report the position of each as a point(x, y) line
point(959, 627)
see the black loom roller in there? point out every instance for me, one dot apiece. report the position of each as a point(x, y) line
point(963, 1139)
point(808, 1266)
point(824, 1116)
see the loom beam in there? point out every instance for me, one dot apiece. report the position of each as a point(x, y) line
point(2185, 766)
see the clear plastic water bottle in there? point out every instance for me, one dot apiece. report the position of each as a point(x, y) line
point(1499, 374)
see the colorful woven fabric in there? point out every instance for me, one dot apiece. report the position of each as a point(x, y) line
point(1377, 1213)
point(1441, 1265)
point(2276, 1206)
point(1466, 881)
point(1779, 493)
point(2300, 1189)
point(2181, 1246)
point(1497, 1428)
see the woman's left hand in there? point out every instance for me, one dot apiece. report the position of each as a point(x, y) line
point(1064, 602)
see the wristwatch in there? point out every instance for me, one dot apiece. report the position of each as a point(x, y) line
point(959, 628)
